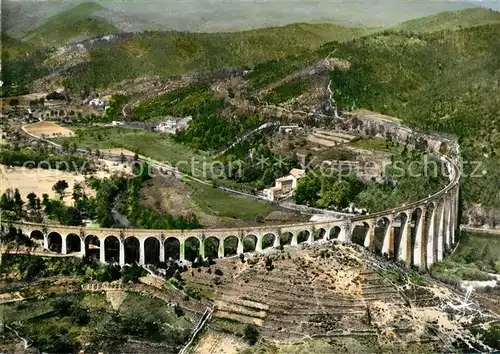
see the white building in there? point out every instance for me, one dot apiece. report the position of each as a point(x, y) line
point(98, 103)
point(284, 186)
point(173, 125)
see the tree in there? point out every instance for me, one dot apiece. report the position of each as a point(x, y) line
point(77, 192)
point(251, 334)
point(307, 190)
point(34, 206)
point(18, 203)
point(14, 102)
point(65, 145)
point(60, 187)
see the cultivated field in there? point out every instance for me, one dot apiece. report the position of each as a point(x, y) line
point(48, 130)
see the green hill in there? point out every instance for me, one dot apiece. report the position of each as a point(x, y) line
point(12, 48)
point(451, 20)
point(443, 81)
point(171, 53)
point(76, 23)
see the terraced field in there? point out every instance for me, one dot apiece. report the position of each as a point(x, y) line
point(308, 293)
point(328, 138)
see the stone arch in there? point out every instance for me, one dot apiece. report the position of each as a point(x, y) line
point(92, 245)
point(286, 238)
point(431, 236)
point(132, 249)
point(358, 235)
point(111, 249)
point(55, 242)
point(400, 222)
point(172, 248)
point(151, 250)
point(268, 240)
point(303, 236)
point(36, 235)
point(249, 243)
point(192, 248)
point(443, 148)
point(73, 243)
point(416, 215)
point(380, 232)
point(211, 245)
point(319, 234)
point(230, 246)
point(334, 233)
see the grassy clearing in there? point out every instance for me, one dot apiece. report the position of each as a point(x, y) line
point(217, 202)
point(155, 145)
point(476, 256)
point(378, 145)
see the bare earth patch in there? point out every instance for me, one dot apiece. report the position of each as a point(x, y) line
point(40, 181)
point(48, 129)
point(219, 343)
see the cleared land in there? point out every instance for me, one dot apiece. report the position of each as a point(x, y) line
point(213, 208)
point(212, 342)
point(40, 180)
point(48, 130)
point(155, 145)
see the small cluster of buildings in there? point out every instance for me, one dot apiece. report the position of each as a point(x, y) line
point(284, 186)
point(173, 125)
point(98, 103)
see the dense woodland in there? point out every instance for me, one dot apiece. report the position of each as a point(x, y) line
point(445, 81)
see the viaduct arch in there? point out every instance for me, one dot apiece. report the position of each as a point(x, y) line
point(418, 234)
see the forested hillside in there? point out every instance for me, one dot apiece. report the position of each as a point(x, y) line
point(79, 22)
point(445, 81)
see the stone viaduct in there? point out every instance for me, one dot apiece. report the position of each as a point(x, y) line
point(418, 233)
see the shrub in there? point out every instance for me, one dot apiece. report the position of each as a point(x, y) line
point(251, 334)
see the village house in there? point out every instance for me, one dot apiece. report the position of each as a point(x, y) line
point(173, 125)
point(284, 186)
point(98, 103)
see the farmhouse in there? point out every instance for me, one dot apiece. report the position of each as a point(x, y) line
point(284, 186)
point(173, 125)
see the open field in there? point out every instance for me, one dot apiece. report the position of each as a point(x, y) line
point(155, 145)
point(214, 201)
point(376, 144)
point(39, 180)
point(48, 129)
point(212, 207)
point(362, 112)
